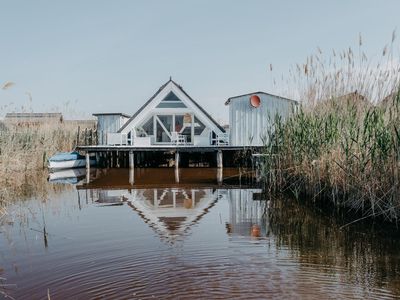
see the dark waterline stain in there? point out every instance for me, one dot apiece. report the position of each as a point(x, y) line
point(189, 235)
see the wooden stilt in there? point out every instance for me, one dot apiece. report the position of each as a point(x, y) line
point(176, 160)
point(87, 168)
point(219, 159)
point(131, 160)
point(177, 175)
point(87, 161)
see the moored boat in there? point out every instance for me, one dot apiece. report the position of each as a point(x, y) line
point(68, 160)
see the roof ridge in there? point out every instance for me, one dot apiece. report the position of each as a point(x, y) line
point(258, 92)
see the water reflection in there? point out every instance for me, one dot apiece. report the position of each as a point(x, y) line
point(171, 212)
point(196, 237)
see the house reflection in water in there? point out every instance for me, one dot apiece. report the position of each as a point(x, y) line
point(171, 207)
point(172, 211)
point(247, 213)
point(111, 197)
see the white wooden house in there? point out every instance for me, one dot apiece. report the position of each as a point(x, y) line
point(169, 117)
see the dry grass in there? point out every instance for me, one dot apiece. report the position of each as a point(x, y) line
point(24, 150)
point(340, 146)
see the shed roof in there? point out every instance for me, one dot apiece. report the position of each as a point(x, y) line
point(33, 115)
point(264, 93)
point(112, 114)
point(155, 95)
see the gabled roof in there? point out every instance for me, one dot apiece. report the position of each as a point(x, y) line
point(249, 94)
point(155, 95)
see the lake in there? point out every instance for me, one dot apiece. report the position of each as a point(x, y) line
point(193, 233)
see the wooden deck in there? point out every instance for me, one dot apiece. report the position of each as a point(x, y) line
point(161, 155)
point(167, 148)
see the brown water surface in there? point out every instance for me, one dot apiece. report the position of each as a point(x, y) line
point(161, 234)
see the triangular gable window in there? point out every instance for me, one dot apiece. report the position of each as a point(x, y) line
point(171, 97)
point(171, 101)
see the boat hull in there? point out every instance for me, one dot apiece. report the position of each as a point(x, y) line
point(69, 164)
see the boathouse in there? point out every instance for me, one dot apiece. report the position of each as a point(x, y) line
point(169, 117)
point(251, 116)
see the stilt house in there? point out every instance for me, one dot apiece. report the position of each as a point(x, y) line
point(169, 117)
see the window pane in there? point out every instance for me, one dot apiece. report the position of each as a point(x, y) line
point(167, 122)
point(162, 135)
point(171, 105)
point(146, 128)
point(187, 131)
point(171, 97)
point(178, 123)
point(198, 127)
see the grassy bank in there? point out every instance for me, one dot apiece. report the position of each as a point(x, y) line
point(341, 148)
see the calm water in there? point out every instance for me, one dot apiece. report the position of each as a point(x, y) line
point(157, 234)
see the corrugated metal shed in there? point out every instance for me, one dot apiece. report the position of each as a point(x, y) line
point(248, 124)
point(109, 123)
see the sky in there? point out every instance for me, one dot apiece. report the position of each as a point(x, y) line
point(84, 57)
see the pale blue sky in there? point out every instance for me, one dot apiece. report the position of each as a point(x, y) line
point(106, 56)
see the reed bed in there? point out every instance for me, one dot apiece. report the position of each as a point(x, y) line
point(25, 149)
point(341, 145)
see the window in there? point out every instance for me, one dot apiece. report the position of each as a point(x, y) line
point(164, 127)
point(146, 129)
point(198, 127)
point(171, 101)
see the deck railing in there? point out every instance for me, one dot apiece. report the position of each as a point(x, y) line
point(122, 139)
point(117, 139)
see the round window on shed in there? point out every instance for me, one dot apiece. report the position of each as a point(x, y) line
point(255, 101)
